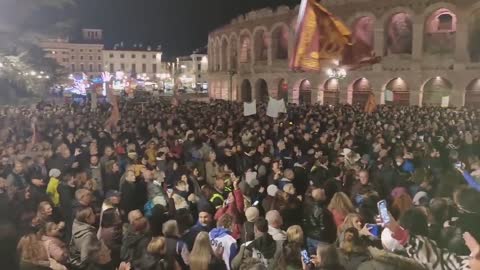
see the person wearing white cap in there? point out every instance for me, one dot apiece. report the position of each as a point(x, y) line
point(53, 185)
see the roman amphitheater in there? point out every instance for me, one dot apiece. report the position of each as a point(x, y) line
point(429, 49)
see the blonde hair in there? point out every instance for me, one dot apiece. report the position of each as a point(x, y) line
point(157, 245)
point(349, 222)
point(341, 203)
point(295, 234)
point(202, 252)
point(31, 249)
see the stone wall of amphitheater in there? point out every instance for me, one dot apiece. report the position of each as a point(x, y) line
point(430, 50)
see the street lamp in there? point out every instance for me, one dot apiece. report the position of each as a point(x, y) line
point(336, 73)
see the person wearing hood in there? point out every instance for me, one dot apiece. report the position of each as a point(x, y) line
point(263, 248)
point(221, 237)
point(66, 192)
point(86, 251)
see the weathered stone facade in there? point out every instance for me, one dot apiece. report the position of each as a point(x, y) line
point(430, 49)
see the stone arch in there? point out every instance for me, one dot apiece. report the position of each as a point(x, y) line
point(331, 91)
point(233, 41)
point(305, 92)
point(282, 89)
point(279, 34)
point(434, 89)
point(260, 44)
point(245, 46)
point(361, 89)
point(440, 29)
point(472, 94)
point(261, 91)
point(474, 33)
point(246, 91)
point(363, 37)
point(400, 92)
point(398, 29)
point(225, 54)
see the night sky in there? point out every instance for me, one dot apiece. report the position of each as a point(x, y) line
point(180, 26)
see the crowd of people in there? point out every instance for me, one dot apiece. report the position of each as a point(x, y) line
point(199, 186)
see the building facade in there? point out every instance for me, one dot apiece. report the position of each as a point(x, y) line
point(137, 59)
point(193, 71)
point(84, 55)
point(430, 51)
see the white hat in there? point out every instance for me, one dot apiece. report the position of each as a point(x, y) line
point(272, 190)
point(54, 173)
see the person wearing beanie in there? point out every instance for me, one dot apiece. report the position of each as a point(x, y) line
point(53, 185)
point(248, 233)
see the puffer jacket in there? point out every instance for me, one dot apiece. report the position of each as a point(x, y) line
point(318, 222)
point(83, 245)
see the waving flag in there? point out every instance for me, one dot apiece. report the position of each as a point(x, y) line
point(319, 36)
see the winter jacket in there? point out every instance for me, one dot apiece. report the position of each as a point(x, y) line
point(17, 180)
point(318, 222)
point(221, 237)
point(236, 210)
point(133, 197)
point(134, 245)
point(53, 192)
point(263, 249)
point(111, 181)
point(84, 245)
point(154, 262)
point(95, 173)
point(190, 236)
point(177, 249)
point(426, 252)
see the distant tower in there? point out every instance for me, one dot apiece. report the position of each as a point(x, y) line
point(92, 34)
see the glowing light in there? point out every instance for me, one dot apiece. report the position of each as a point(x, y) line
point(204, 60)
point(183, 66)
point(48, 77)
point(336, 73)
point(158, 56)
point(438, 77)
point(33, 73)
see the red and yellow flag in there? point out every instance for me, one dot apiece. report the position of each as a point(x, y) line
point(319, 36)
point(371, 104)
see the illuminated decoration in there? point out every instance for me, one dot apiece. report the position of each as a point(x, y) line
point(79, 85)
point(106, 78)
point(337, 73)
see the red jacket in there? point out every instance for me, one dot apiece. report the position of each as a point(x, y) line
point(236, 210)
